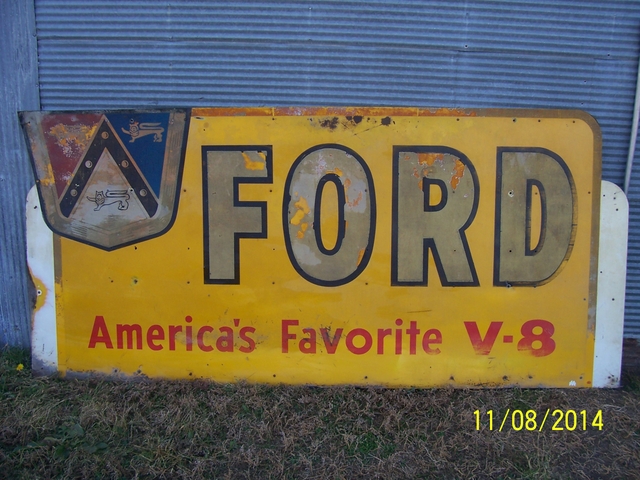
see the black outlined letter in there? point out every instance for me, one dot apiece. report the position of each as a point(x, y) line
point(344, 257)
point(435, 198)
point(528, 177)
point(226, 218)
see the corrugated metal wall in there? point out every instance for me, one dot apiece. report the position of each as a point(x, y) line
point(535, 54)
point(18, 91)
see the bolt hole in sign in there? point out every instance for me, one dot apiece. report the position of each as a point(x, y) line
point(386, 246)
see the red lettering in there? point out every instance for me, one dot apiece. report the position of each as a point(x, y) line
point(286, 336)
point(359, 332)
point(480, 345)
point(224, 343)
point(130, 331)
point(398, 337)
point(189, 338)
point(100, 333)
point(189, 334)
point(547, 344)
point(200, 338)
point(173, 330)
point(330, 343)
point(251, 343)
point(155, 332)
point(382, 333)
point(413, 331)
point(308, 345)
point(427, 341)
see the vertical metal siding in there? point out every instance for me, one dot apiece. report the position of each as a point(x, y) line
point(18, 90)
point(472, 54)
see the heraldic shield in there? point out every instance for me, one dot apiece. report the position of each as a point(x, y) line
point(108, 179)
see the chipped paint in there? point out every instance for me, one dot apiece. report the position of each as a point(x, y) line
point(351, 203)
point(428, 161)
point(302, 210)
point(253, 164)
point(428, 158)
point(297, 217)
point(456, 175)
point(72, 139)
point(303, 229)
point(355, 192)
point(49, 179)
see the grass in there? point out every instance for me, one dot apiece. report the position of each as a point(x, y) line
point(52, 428)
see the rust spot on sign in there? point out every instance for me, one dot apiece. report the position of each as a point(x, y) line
point(429, 158)
point(355, 202)
point(346, 111)
point(446, 112)
point(232, 112)
point(330, 123)
point(353, 115)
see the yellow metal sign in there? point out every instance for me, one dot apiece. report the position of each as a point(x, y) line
point(387, 246)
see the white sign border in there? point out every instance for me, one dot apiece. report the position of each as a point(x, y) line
point(612, 276)
point(40, 259)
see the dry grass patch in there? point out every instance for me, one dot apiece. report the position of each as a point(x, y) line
point(51, 428)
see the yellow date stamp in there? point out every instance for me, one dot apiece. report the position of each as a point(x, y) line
point(531, 420)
